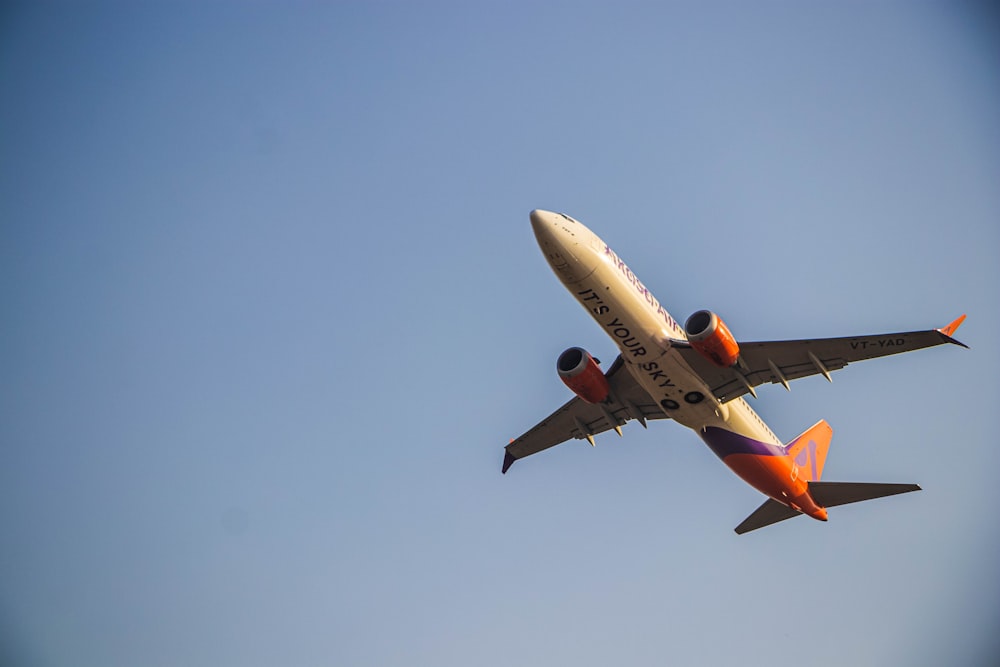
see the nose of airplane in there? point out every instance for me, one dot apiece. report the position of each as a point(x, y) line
point(542, 221)
point(564, 244)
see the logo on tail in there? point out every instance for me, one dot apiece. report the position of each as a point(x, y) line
point(808, 451)
point(808, 454)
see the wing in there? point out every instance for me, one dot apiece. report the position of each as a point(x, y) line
point(579, 419)
point(781, 361)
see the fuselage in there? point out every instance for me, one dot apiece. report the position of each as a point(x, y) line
point(645, 334)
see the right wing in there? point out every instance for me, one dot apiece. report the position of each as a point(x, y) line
point(579, 419)
point(782, 361)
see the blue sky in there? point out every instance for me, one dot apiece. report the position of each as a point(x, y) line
point(272, 307)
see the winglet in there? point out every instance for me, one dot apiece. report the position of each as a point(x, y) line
point(949, 330)
point(508, 461)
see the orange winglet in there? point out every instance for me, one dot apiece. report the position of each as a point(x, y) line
point(950, 329)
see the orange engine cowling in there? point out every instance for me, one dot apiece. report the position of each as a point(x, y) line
point(581, 373)
point(710, 336)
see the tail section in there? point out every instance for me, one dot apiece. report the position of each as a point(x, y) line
point(806, 455)
point(808, 451)
point(825, 494)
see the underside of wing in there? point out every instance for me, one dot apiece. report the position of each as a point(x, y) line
point(779, 362)
point(582, 420)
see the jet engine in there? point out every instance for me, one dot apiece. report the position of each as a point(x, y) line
point(710, 336)
point(580, 372)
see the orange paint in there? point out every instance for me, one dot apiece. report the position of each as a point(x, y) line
point(579, 371)
point(778, 478)
point(808, 451)
point(714, 342)
point(950, 329)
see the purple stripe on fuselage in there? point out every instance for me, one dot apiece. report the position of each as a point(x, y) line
point(724, 443)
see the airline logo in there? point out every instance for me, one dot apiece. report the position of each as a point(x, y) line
point(806, 459)
point(641, 289)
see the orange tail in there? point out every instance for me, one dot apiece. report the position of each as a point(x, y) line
point(808, 451)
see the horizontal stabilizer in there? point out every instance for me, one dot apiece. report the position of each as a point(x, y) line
point(825, 494)
point(770, 512)
point(831, 494)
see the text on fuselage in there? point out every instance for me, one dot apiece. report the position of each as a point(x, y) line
point(637, 284)
point(615, 326)
point(652, 369)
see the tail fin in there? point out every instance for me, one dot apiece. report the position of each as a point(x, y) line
point(808, 451)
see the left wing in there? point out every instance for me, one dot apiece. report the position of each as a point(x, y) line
point(579, 419)
point(780, 361)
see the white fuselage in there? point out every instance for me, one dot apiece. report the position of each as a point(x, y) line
point(641, 328)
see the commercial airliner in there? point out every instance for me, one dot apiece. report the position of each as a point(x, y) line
point(697, 375)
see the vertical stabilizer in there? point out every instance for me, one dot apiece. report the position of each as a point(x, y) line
point(808, 451)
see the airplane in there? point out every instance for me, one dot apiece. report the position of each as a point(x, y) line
point(697, 376)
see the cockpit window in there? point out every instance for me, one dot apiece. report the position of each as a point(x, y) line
point(567, 217)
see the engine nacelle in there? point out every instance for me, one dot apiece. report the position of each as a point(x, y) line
point(580, 372)
point(710, 336)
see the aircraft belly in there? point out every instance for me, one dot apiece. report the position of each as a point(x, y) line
point(639, 327)
point(678, 391)
point(768, 474)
